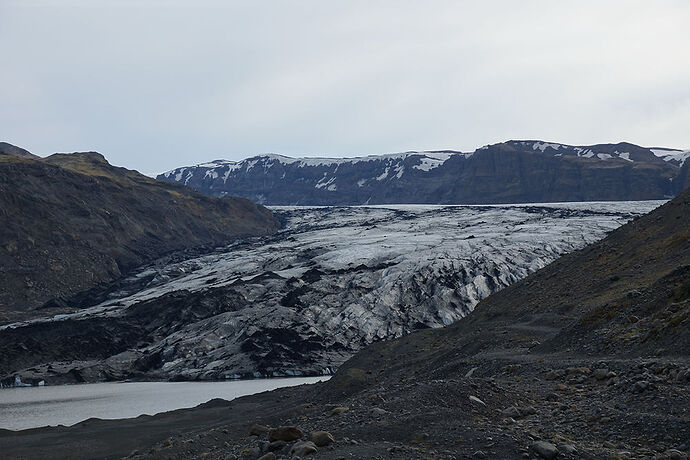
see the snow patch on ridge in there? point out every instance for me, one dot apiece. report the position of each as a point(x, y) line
point(678, 156)
point(545, 145)
point(623, 155)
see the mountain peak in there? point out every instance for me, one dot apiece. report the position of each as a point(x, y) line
point(7, 149)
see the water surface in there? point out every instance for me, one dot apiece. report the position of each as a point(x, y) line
point(32, 407)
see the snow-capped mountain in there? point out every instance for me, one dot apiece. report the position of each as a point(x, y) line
point(509, 172)
point(333, 280)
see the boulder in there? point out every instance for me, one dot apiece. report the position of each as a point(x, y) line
point(285, 433)
point(276, 445)
point(544, 449)
point(321, 438)
point(259, 430)
point(303, 448)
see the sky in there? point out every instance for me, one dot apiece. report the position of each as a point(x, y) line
point(154, 85)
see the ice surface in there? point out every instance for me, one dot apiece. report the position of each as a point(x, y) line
point(343, 277)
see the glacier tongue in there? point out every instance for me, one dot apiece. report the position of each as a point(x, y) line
point(332, 281)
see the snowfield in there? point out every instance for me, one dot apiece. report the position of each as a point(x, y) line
point(335, 279)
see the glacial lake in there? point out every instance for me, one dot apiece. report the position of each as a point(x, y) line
point(31, 407)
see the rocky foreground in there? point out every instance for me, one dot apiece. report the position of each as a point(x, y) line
point(586, 358)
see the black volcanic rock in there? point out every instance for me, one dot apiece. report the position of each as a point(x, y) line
point(70, 222)
point(509, 172)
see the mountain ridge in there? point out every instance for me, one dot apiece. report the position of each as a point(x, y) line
point(514, 171)
point(69, 222)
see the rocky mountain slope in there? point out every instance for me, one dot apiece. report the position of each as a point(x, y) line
point(584, 359)
point(304, 300)
point(508, 172)
point(71, 222)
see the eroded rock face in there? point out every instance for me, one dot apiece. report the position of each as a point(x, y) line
point(304, 300)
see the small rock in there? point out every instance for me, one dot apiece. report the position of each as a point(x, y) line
point(579, 370)
point(512, 412)
point(555, 374)
point(544, 449)
point(250, 453)
point(276, 445)
point(477, 400)
point(339, 410)
point(378, 411)
point(640, 386)
point(567, 448)
point(673, 454)
point(529, 410)
point(268, 456)
point(285, 433)
point(258, 430)
point(303, 448)
point(321, 438)
point(601, 374)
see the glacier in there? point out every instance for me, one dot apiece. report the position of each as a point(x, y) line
point(301, 302)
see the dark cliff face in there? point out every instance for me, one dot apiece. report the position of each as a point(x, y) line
point(510, 172)
point(70, 222)
point(682, 181)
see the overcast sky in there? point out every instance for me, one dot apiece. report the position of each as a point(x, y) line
point(155, 85)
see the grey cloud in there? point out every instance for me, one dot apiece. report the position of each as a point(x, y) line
point(155, 85)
